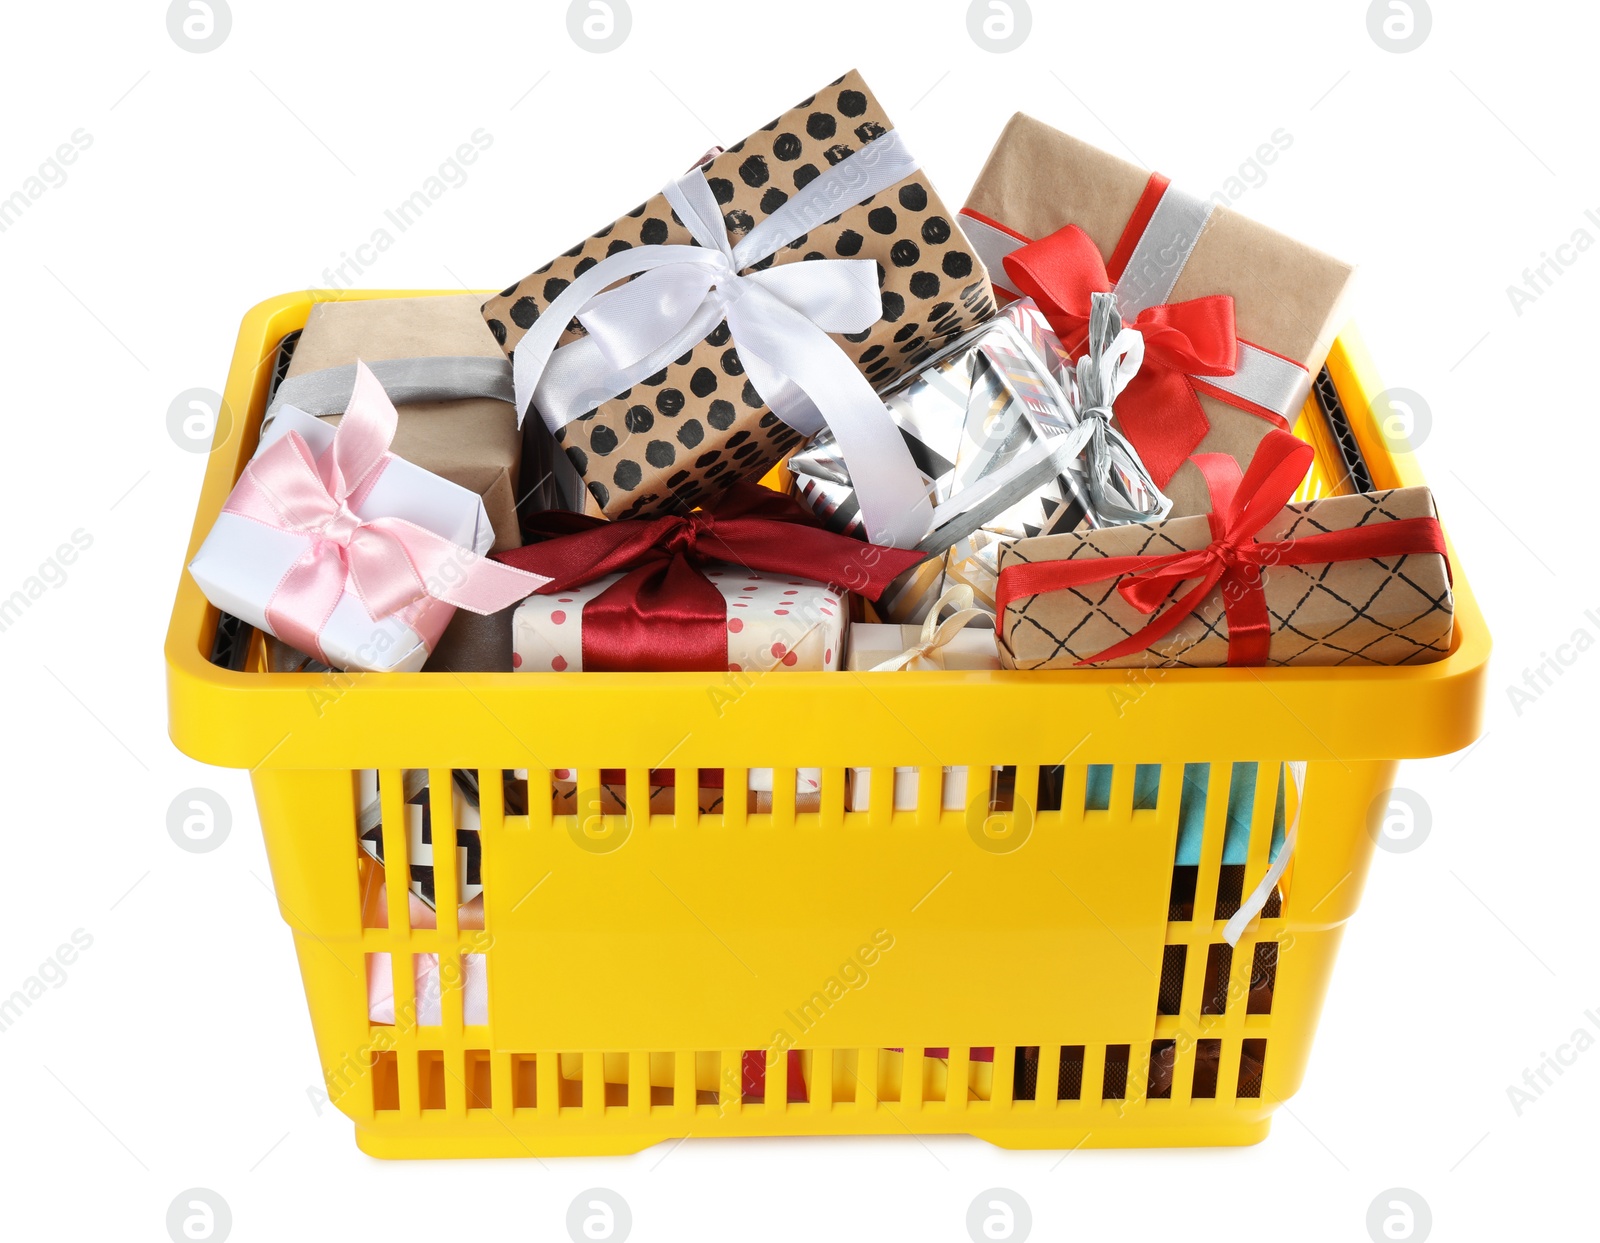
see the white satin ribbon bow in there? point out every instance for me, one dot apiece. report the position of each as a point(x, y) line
point(779, 319)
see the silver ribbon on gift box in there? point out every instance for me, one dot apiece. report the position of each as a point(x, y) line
point(1013, 439)
point(407, 381)
point(1120, 488)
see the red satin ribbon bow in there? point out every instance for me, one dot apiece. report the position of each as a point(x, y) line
point(1234, 559)
point(1160, 410)
point(664, 614)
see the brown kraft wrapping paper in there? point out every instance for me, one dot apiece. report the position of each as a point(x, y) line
point(472, 442)
point(1378, 611)
point(470, 644)
point(697, 425)
point(1288, 297)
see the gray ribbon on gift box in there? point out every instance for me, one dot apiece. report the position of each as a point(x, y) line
point(407, 381)
point(1072, 407)
point(1120, 488)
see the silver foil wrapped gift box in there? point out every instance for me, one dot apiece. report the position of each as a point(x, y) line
point(1014, 441)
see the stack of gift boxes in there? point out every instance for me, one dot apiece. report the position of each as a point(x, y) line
point(1053, 431)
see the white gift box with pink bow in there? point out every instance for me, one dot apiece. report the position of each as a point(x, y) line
point(295, 543)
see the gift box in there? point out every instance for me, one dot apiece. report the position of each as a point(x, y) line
point(1344, 580)
point(469, 644)
point(447, 376)
point(776, 284)
point(346, 552)
point(958, 633)
point(474, 644)
point(872, 645)
point(737, 587)
point(1237, 317)
point(993, 421)
point(774, 623)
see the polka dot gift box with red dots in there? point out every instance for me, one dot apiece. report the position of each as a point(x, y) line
point(775, 623)
point(725, 589)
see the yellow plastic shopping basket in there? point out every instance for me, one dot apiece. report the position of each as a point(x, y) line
point(1039, 970)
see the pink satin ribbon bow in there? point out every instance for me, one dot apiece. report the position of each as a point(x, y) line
point(390, 563)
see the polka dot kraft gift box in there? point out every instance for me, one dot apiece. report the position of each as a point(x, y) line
point(775, 623)
point(753, 301)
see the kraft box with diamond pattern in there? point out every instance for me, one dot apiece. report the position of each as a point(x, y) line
point(1378, 611)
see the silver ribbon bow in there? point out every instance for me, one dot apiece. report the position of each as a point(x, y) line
point(1120, 489)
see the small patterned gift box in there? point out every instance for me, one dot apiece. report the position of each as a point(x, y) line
point(775, 623)
point(1345, 580)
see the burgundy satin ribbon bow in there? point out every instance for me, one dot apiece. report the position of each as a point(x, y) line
point(664, 614)
point(391, 563)
point(1234, 559)
point(1160, 410)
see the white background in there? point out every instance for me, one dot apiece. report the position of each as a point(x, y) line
point(177, 1053)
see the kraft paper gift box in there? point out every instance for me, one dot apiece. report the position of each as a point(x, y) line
point(1384, 608)
point(242, 561)
point(1162, 247)
point(470, 644)
point(470, 440)
point(696, 421)
point(775, 623)
point(474, 644)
